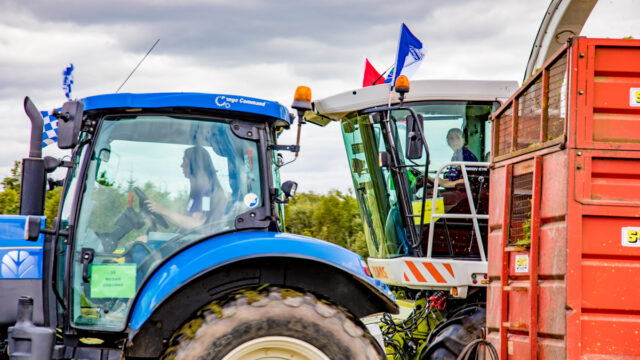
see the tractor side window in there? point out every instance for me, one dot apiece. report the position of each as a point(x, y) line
point(65, 217)
point(276, 180)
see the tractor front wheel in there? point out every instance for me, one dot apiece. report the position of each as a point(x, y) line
point(450, 340)
point(273, 324)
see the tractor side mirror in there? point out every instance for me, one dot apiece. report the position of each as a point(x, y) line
point(414, 140)
point(51, 163)
point(289, 189)
point(69, 124)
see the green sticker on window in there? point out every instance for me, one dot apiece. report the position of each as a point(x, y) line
point(113, 280)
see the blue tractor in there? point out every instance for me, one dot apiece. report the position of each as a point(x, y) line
point(169, 241)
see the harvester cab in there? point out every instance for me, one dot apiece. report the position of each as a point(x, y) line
point(419, 163)
point(170, 223)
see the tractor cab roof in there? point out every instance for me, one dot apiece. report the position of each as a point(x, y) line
point(214, 102)
point(336, 106)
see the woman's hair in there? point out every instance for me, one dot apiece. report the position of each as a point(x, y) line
point(202, 174)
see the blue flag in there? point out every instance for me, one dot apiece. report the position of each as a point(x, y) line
point(67, 80)
point(410, 55)
point(50, 131)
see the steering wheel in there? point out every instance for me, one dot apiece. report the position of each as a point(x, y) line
point(178, 241)
point(421, 179)
point(155, 217)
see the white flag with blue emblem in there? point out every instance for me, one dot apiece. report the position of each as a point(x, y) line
point(50, 131)
point(67, 80)
point(410, 55)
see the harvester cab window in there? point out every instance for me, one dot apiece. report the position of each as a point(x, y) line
point(378, 194)
point(376, 206)
point(154, 185)
point(454, 131)
point(383, 225)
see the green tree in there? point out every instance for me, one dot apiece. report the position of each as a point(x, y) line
point(333, 217)
point(10, 196)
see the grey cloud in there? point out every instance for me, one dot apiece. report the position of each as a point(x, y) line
point(233, 32)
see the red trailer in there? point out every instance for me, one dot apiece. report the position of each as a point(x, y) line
point(564, 223)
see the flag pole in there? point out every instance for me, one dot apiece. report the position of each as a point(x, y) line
point(381, 75)
point(395, 67)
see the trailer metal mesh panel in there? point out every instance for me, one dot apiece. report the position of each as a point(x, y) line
point(520, 219)
point(557, 113)
point(540, 111)
point(504, 139)
point(529, 115)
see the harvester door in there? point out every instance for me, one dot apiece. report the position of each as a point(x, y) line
point(363, 142)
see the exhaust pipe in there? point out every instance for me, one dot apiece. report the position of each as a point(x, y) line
point(33, 177)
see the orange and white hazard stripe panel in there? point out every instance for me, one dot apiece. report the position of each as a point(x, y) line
point(424, 272)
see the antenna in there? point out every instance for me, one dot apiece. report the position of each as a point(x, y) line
point(136, 68)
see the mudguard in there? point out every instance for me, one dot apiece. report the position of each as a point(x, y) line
point(207, 255)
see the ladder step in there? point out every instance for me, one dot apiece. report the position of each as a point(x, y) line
point(514, 325)
point(514, 248)
point(515, 288)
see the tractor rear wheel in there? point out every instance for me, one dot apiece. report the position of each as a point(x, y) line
point(273, 324)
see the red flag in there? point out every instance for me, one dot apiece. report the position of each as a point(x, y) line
point(371, 75)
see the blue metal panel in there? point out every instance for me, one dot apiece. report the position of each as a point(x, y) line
point(193, 100)
point(224, 249)
point(19, 258)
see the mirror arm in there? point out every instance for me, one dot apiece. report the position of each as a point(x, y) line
point(292, 148)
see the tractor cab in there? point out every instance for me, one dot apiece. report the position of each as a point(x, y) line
point(149, 181)
point(419, 164)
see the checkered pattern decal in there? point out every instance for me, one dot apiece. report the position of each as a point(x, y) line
point(50, 133)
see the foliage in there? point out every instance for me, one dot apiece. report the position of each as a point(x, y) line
point(333, 217)
point(10, 196)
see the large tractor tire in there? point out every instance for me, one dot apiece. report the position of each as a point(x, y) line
point(273, 324)
point(449, 340)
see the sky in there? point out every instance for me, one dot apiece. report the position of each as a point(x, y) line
point(261, 49)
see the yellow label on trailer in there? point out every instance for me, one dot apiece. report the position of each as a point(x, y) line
point(631, 236)
point(428, 205)
point(634, 97)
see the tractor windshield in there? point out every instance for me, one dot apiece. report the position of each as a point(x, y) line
point(454, 131)
point(154, 184)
